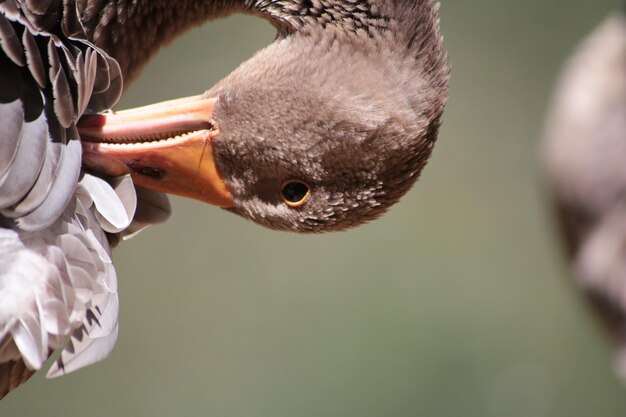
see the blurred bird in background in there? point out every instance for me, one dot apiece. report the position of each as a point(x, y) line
point(323, 130)
point(584, 157)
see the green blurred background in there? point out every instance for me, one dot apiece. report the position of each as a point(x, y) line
point(456, 303)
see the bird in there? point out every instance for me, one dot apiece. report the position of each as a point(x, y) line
point(322, 130)
point(584, 163)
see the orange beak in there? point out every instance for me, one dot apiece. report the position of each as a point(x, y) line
point(165, 147)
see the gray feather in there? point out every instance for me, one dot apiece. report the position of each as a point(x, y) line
point(42, 13)
point(10, 8)
point(34, 59)
point(60, 193)
point(153, 207)
point(63, 104)
point(43, 7)
point(9, 42)
point(106, 94)
point(37, 194)
point(27, 163)
point(84, 351)
point(12, 116)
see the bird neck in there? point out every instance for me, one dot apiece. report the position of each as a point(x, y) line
point(132, 31)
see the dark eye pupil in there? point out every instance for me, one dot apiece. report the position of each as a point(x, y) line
point(295, 191)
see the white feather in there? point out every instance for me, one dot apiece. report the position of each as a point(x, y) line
point(89, 351)
point(111, 212)
point(61, 281)
point(31, 340)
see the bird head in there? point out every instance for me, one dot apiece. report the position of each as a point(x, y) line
point(314, 133)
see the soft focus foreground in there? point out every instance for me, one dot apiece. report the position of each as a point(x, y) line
point(455, 303)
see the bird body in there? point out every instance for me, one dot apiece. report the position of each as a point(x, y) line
point(584, 157)
point(323, 130)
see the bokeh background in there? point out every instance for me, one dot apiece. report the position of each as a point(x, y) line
point(456, 303)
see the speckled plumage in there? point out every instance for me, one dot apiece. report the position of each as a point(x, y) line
point(348, 98)
point(344, 123)
point(357, 114)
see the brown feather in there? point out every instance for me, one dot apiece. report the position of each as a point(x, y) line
point(12, 375)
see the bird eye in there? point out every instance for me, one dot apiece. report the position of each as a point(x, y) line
point(295, 193)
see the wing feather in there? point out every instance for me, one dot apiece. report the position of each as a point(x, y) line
point(10, 43)
point(27, 163)
point(12, 115)
point(34, 59)
point(58, 285)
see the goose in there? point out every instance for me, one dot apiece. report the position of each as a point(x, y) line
point(584, 160)
point(322, 130)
